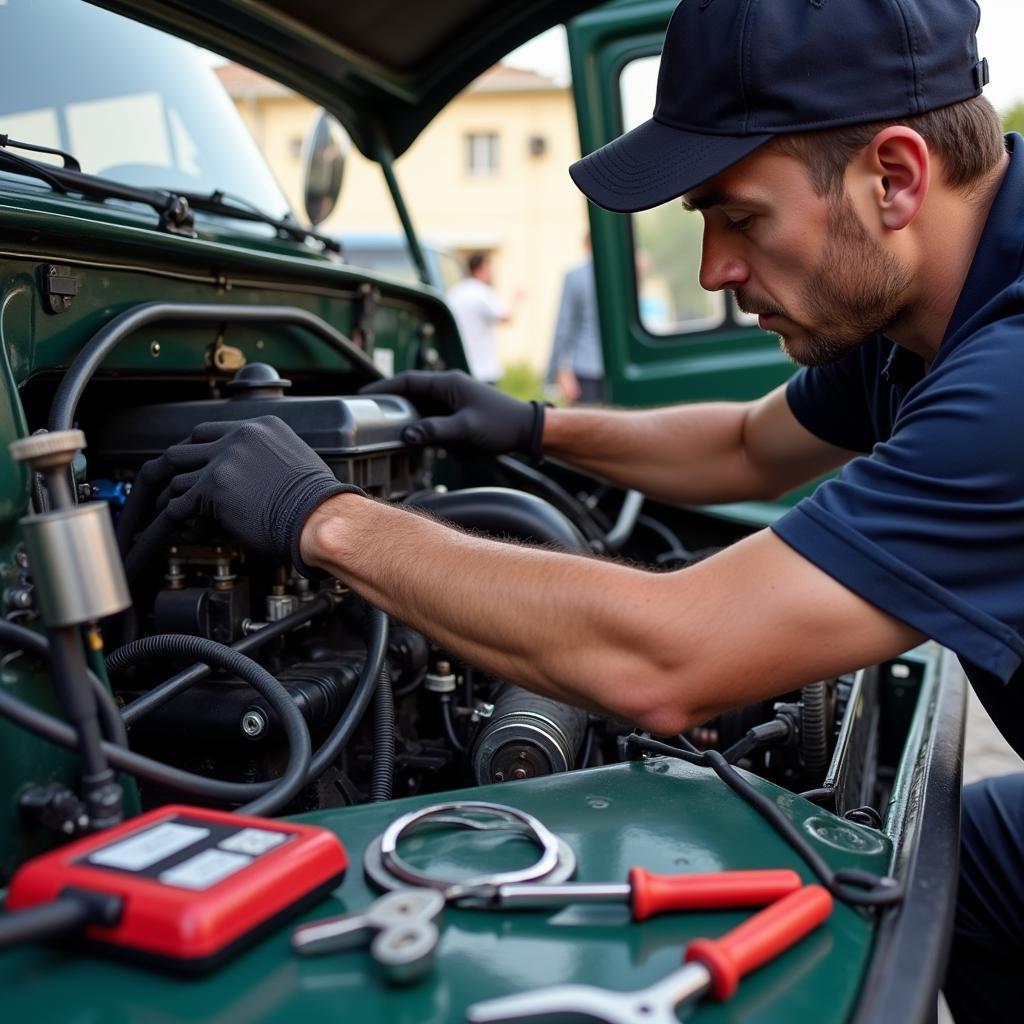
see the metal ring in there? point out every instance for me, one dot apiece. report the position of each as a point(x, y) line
point(387, 869)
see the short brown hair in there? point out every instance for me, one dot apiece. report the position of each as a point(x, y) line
point(967, 136)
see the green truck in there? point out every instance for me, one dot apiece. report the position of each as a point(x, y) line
point(152, 277)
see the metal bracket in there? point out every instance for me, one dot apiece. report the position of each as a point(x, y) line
point(60, 286)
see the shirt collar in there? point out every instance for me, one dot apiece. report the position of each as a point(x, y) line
point(998, 259)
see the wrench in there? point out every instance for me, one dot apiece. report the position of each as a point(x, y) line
point(399, 928)
point(714, 967)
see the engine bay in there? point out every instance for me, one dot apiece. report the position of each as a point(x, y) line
point(390, 713)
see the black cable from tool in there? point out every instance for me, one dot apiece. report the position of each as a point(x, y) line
point(383, 781)
point(70, 912)
point(850, 885)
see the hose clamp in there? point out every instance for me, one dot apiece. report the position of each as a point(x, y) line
point(388, 870)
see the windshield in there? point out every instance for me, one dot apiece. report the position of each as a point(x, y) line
point(131, 103)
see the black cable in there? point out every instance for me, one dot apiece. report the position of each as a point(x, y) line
point(13, 635)
point(254, 641)
point(383, 781)
point(850, 885)
point(557, 495)
point(46, 921)
point(199, 786)
point(764, 735)
point(111, 334)
point(449, 725)
point(294, 725)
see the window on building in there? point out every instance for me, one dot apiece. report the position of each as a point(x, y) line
point(482, 154)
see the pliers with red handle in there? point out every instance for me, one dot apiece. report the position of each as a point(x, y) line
point(714, 966)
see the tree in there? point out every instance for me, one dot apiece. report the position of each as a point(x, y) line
point(1013, 119)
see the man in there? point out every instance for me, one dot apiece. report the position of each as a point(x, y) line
point(477, 309)
point(577, 366)
point(887, 256)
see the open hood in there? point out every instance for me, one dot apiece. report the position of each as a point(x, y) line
point(383, 67)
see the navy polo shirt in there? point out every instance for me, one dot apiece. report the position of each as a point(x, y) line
point(928, 524)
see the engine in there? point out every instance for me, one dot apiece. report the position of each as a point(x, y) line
point(440, 724)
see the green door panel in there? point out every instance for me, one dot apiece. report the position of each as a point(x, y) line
point(654, 813)
point(729, 362)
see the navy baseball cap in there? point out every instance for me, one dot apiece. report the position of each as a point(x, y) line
point(736, 73)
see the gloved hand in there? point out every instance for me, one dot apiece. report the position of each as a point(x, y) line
point(257, 478)
point(464, 413)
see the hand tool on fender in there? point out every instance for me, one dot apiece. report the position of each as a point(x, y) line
point(647, 893)
point(714, 966)
point(399, 927)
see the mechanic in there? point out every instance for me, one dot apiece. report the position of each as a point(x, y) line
point(887, 255)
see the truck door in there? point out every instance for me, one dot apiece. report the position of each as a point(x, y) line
point(665, 339)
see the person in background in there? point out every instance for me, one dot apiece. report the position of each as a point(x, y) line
point(478, 309)
point(577, 366)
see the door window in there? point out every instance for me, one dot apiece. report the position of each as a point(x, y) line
point(667, 239)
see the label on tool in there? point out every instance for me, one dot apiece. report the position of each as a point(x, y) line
point(205, 869)
point(189, 853)
point(150, 847)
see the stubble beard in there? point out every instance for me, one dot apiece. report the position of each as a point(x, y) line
point(857, 291)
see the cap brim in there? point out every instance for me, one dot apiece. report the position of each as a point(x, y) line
point(654, 163)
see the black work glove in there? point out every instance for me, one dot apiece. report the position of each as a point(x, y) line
point(257, 478)
point(463, 413)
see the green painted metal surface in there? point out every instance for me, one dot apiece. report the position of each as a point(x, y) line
point(661, 814)
point(120, 264)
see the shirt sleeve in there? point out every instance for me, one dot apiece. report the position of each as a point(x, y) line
point(491, 306)
point(930, 526)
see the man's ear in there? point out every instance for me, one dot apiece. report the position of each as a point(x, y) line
point(898, 164)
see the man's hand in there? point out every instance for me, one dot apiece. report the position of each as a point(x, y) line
point(464, 413)
point(256, 478)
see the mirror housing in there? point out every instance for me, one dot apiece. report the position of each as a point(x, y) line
point(325, 150)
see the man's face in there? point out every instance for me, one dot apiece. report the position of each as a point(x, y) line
point(805, 264)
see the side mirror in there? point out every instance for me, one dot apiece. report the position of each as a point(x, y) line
point(324, 151)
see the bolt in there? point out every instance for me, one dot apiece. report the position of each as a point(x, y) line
point(499, 776)
point(19, 598)
point(154, 348)
point(21, 558)
point(519, 773)
point(253, 723)
point(443, 668)
point(522, 755)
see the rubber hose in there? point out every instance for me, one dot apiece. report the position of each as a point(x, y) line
point(383, 782)
point(170, 688)
point(294, 725)
point(813, 731)
point(376, 649)
point(110, 718)
point(199, 786)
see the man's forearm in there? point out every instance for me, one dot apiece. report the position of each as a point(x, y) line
point(569, 626)
point(684, 454)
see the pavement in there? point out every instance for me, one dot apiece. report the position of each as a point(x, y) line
point(985, 753)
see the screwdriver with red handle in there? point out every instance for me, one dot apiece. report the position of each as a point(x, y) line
point(646, 893)
point(714, 967)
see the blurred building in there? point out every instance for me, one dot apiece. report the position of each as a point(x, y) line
point(490, 173)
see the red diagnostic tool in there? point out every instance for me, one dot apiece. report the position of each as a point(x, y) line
point(194, 885)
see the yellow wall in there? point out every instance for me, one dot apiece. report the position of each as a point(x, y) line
point(530, 214)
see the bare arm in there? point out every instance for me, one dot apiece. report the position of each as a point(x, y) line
point(664, 650)
point(695, 454)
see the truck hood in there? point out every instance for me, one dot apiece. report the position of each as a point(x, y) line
point(384, 68)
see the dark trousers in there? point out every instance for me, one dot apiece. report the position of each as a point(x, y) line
point(985, 977)
point(591, 390)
